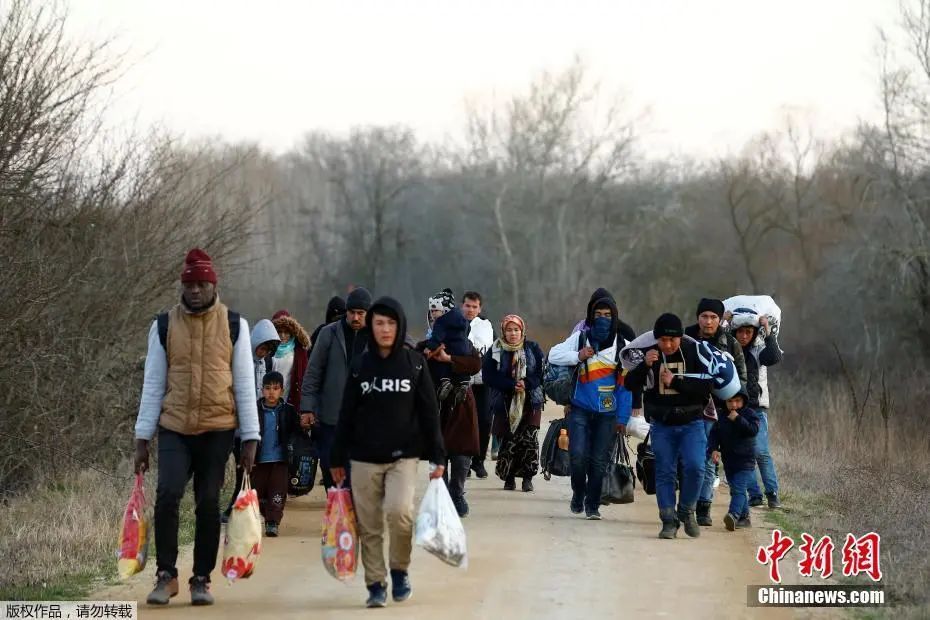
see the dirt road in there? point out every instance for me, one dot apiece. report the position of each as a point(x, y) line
point(529, 558)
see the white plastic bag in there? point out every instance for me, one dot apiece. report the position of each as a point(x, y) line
point(747, 308)
point(638, 427)
point(439, 529)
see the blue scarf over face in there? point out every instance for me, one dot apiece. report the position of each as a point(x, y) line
point(600, 331)
point(286, 349)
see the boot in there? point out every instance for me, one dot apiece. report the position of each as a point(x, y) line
point(729, 521)
point(670, 523)
point(755, 502)
point(510, 484)
point(527, 485)
point(166, 587)
point(703, 514)
point(743, 522)
point(688, 520)
point(773, 500)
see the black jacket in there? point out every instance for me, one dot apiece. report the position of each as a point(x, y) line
point(684, 400)
point(288, 422)
point(736, 440)
point(389, 408)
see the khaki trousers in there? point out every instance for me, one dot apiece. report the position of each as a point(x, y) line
point(384, 491)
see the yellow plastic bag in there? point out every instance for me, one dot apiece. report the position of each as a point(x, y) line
point(133, 535)
point(243, 542)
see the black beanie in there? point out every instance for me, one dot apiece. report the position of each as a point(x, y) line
point(710, 305)
point(359, 299)
point(668, 325)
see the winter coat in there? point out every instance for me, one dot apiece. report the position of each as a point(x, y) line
point(459, 423)
point(736, 440)
point(389, 410)
point(288, 422)
point(683, 401)
point(498, 378)
point(300, 360)
point(327, 372)
point(758, 358)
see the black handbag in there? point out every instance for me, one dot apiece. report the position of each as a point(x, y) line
point(618, 484)
point(646, 466)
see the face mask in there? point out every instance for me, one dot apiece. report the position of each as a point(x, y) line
point(601, 329)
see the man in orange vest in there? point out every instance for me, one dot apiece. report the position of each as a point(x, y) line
point(199, 386)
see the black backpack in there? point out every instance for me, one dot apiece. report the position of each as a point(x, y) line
point(646, 466)
point(554, 460)
point(162, 320)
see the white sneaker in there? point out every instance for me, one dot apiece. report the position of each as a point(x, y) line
point(716, 481)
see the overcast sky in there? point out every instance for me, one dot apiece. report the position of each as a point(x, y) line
point(713, 73)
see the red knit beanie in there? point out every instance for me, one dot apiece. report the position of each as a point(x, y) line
point(198, 267)
point(279, 314)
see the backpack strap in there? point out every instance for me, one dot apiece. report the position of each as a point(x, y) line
point(162, 320)
point(233, 318)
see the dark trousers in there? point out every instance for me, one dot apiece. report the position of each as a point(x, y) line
point(270, 482)
point(237, 454)
point(324, 435)
point(454, 475)
point(591, 437)
point(485, 416)
point(180, 457)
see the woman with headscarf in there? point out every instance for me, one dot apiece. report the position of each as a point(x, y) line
point(513, 370)
point(292, 354)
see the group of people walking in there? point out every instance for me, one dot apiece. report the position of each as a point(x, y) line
point(375, 402)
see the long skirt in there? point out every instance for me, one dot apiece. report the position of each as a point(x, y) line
point(518, 456)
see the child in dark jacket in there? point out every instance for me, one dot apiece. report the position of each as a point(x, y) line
point(277, 421)
point(449, 330)
point(733, 438)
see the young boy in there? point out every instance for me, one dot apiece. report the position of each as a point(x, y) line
point(734, 437)
point(449, 330)
point(277, 420)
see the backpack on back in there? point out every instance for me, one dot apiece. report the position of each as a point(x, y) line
point(553, 460)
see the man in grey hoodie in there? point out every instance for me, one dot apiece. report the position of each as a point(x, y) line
point(327, 372)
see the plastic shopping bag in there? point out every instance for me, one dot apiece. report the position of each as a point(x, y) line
point(439, 529)
point(243, 542)
point(133, 536)
point(747, 309)
point(340, 538)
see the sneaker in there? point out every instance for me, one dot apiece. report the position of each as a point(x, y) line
point(592, 514)
point(377, 595)
point(400, 586)
point(755, 502)
point(527, 485)
point(166, 587)
point(577, 504)
point(716, 481)
point(743, 522)
point(200, 591)
point(493, 455)
point(510, 484)
point(479, 469)
point(729, 522)
point(445, 388)
point(271, 529)
point(461, 507)
point(773, 500)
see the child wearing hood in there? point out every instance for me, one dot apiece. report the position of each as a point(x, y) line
point(733, 438)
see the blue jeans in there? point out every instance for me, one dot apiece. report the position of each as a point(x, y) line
point(591, 437)
point(710, 469)
point(739, 480)
point(763, 459)
point(670, 444)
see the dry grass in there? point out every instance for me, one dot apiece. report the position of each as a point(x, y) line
point(59, 541)
point(838, 480)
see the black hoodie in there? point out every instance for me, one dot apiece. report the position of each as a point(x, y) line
point(602, 294)
point(335, 310)
point(389, 408)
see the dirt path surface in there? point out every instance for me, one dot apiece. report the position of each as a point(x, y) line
point(529, 558)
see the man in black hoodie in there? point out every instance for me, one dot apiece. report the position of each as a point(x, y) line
point(675, 405)
point(335, 310)
point(389, 418)
point(708, 329)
